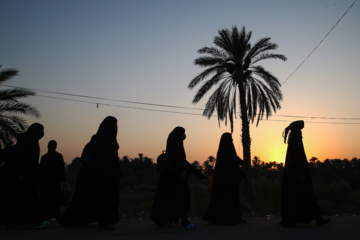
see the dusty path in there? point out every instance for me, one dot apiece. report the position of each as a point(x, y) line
point(343, 227)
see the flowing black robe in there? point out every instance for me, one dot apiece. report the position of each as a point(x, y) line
point(172, 198)
point(96, 197)
point(224, 207)
point(24, 179)
point(298, 201)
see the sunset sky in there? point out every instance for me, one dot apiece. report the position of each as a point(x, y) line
point(118, 52)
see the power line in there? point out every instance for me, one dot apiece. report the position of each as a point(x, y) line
point(345, 123)
point(107, 99)
point(167, 106)
point(120, 106)
point(328, 118)
point(319, 42)
point(97, 104)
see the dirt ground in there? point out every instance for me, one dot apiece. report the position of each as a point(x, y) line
point(341, 227)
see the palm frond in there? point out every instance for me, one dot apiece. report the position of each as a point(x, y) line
point(208, 61)
point(223, 100)
point(263, 104)
point(7, 74)
point(208, 85)
point(10, 127)
point(251, 97)
point(201, 76)
point(267, 101)
point(18, 108)
point(15, 93)
point(260, 46)
point(211, 104)
point(212, 51)
point(13, 122)
point(265, 56)
point(224, 41)
point(269, 79)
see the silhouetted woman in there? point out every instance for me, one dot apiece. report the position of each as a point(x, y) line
point(25, 169)
point(96, 197)
point(298, 202)
point(224, 208)
point(172, 198)
point(51, 174)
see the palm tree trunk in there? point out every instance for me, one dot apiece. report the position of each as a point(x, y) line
point(245, 139)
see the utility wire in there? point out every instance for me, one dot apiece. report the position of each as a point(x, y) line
point(120, 106)
point(328, 118)
point(153, 104)
point(198, 114)
point(169, 106)
point(107, 99)
point(319, 43)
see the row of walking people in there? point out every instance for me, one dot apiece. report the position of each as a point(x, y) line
point(171, 203)
point(96, 197)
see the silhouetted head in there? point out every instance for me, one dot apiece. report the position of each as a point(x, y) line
point(36, 131)
point(226, 138)
point(178, 134)
point(108, 127)
point(52, 145)
point(294, 127)
point(226, 145)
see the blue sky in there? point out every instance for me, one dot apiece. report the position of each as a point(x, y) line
point(143, 51)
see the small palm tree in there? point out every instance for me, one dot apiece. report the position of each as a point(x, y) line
point(232, 65)
point(10, 123)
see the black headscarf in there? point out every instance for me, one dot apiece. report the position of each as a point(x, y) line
point(294, 128)
point(226, 147)
point(108, 129)
point(35, 131)
point(101, 144)
point(175, 148)
point(296, 162)
point(177, 135)
point(227, 161)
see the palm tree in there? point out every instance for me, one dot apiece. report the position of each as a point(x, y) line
point(10, 123)
point(232, 65)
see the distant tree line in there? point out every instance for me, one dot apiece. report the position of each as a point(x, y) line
point(326, 171)
point(142, 169)
point(336, 184)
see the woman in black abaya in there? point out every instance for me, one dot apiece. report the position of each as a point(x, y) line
point(224, 206)
point(298, 201)
point(96, 197)
point(25, 181)
point(172, 198)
